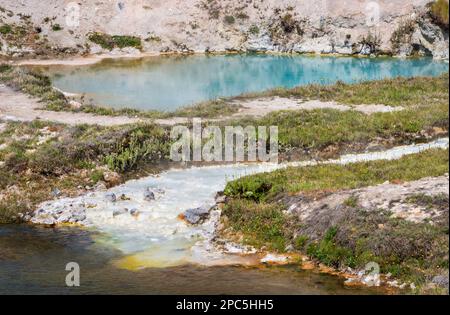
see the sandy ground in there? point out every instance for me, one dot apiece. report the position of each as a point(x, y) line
point(263, 106)
point(20, 107)
point(82, 61)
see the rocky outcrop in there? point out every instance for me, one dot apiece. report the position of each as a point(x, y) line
point(326, 27)
point(196, 215)
point(412, 201)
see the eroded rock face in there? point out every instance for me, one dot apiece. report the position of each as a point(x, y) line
point(302, 26)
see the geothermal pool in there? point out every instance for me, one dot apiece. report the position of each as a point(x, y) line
point(169, 82)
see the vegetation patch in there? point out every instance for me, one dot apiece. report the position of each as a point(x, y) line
point(349, 236)
point(229, 19)
point(34, 84)
point(394, 92)
point(266, 186)
point(33, 163)
point(116, 41)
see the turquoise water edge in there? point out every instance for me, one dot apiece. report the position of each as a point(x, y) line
point(170, 82)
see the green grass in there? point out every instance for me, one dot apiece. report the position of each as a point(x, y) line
point(393, 92)
point(318, 129)
point(261, 225)
point(263, 187)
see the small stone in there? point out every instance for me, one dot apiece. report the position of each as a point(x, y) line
point(289, 248)
point(56, 192)
point(441, 280)
point(75, 104)
point(196, 215)
point(119, 212)
point(221, 199)
point(111, 197)
point(100, 186)
point(134, 212)
point(149, 195)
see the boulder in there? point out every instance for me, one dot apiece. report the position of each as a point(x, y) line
point(134, 212)
point(149, 195)
point(196, 215)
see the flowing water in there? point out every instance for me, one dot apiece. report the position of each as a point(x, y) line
point(156, 252)
point(169, 82)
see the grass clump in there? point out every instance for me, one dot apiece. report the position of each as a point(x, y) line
point(56, 27)
point(229, 19)
point(261, 225)
point(254, 30)
point(116, 41)
point(208, 109)
point(138, 146)
point(5, 29)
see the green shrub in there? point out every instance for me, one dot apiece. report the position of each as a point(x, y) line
point(142, 143)
point(56, 27)
point(251, 188)
point(127, 41)
point(253, 30)
point(5, 29)
point(262, 225)
point(229, 19)
point(117, 41)
point(439, 11)
point(5, 68)
point(327, 252)
point(105, 41)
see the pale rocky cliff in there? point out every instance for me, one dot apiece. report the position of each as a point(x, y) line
point(38, 27)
